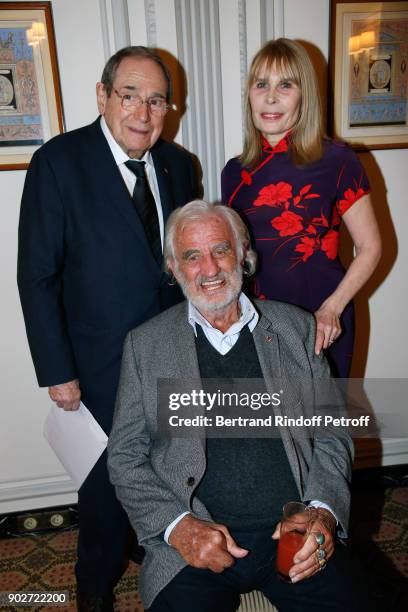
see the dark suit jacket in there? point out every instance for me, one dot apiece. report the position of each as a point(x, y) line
point(86, 274)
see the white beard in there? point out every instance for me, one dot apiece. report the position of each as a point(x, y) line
point(229, 295)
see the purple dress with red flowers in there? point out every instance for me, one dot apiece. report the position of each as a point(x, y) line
point(294, 215)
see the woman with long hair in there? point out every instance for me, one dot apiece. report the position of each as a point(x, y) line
point(293, 187)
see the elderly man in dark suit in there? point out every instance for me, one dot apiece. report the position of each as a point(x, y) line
point(207, 511)
point(94, 207)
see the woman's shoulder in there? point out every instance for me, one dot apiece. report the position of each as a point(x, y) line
point(233, 165)
point(337, 149)
point(231, 175)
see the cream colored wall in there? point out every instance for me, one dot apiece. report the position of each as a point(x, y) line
point(87, 33)
point(388, 347)
point(30, 474)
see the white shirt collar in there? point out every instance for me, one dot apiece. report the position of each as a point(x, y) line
point(249, 316)
point(118, 153)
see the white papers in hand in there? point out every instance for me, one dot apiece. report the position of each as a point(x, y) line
point(77, 440)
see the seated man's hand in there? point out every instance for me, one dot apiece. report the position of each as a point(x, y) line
point(306, 560)
point(205, 545)
point(67, 395)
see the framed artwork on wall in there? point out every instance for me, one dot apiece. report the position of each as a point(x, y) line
point(30, 93)
point(369, 73)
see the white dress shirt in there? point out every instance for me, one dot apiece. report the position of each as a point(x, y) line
point(130, 179)
point(223, 342)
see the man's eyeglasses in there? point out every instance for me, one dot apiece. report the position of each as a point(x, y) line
point(156, 105)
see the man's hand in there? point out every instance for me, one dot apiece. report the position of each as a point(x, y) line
point(205, 545)
point(67, 395)
point(306, 563)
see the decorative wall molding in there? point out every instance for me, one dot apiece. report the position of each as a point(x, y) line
point(57, 489)
point(267, 25)
point(115, 25)
point(150, 11)
point(394, 452)
point(198, 43)
point(137, 22)
point(272, 19)
point(229, 60)
point(253, 28)
point(279, 18)
point(243, 47)
point(108, 35)
point(39, 492)
point(121, 24)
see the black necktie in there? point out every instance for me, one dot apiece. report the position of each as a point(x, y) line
point(146, 207)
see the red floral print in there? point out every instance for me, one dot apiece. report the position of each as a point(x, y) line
point(274, 195)
point(296, 213)
point(246, 177)
point(304, 195)
point(330, 244)
point(311, 229)
point(350, 197)
point(336, 219)
point(307, 246)
point(305, 189)
point(322, 221)
point(288, 223)
point(310, 233)
point(281, 193)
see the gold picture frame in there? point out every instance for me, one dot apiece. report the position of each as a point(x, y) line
point(30, 93)
point(369, 73)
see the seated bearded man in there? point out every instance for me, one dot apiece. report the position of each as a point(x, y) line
point(207, 511)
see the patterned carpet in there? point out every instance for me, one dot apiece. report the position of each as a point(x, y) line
point(46, 563)
point(379, 537)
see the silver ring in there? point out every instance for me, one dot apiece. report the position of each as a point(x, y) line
point(322, 564)
point(320, 539)
point(320, 554)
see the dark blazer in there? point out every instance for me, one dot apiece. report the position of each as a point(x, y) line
point(155, 477)
point(86, 274)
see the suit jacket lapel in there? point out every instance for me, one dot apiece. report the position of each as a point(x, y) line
point(270, 359)
point(186, 364)
point(184, 346)
point(115, 192)
point(267, 346)
point(164, 182)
